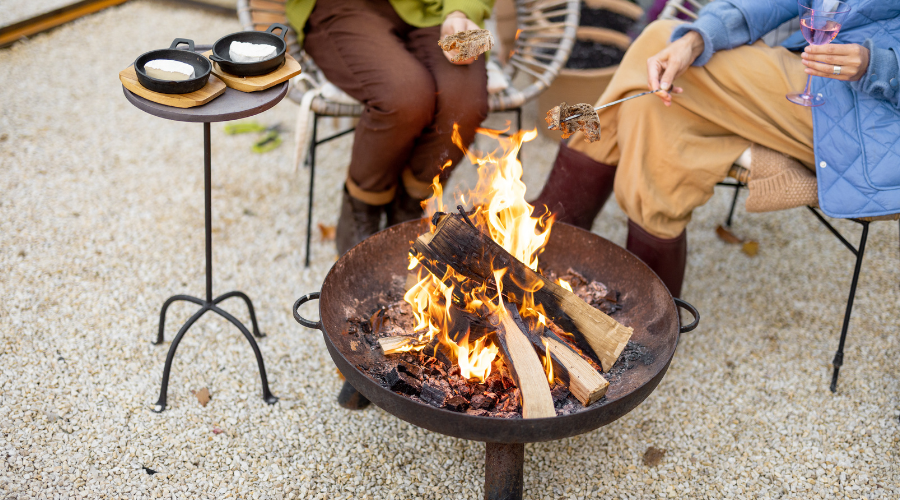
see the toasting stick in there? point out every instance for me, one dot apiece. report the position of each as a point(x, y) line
point(598, 108)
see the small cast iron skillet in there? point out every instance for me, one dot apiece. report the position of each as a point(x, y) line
point(220, 51)
point(202, 68)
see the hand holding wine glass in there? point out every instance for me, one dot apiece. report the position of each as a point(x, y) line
point(852, 58)
point(820, 22)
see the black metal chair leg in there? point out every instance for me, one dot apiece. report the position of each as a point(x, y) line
point(737, 192)
point(220, 298)
point(312, 176)
point(839, 355)
point(161, 402)
point(266, 393)
point(160, 338)
point(350, 398)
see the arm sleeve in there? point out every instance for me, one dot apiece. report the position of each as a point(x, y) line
point(882, 78)
point(721, 25)
point(476, 10)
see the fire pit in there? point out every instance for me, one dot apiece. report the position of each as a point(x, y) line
point(374, 273)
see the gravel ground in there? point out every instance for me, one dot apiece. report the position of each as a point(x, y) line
point(101, 220)
point(13, 11)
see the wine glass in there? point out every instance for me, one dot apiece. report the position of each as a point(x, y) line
point(820, 22)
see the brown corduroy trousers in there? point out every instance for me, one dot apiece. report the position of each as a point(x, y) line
point(412, 95)
point(670, 159)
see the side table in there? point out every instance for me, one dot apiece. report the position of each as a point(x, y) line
point(231, 105)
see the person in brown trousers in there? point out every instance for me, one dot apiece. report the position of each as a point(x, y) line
point(385, 54)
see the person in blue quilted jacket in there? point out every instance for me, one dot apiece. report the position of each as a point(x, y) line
point(724, 91)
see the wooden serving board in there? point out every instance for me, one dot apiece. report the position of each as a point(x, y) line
point(213, 88)
point(285, 72)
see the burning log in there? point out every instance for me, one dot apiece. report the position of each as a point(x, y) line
point(582, 379)
point(475, 255)
point(394, 345)
point(526, 369)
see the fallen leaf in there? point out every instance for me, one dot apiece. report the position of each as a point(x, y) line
point(727, 236)
point(203, 396)
point(751, 248)
point(148, 470)
point(328, 232)
point(341, 375)
point(216, 430)
point(653, 456)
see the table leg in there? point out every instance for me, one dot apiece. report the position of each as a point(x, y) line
point(210, 304)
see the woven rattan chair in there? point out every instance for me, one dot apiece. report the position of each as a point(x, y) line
point(546, 34)
point(740, 175)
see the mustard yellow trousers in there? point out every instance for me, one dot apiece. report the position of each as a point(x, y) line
point(670, 159)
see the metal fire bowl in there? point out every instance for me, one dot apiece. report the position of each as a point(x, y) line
point(358, 283)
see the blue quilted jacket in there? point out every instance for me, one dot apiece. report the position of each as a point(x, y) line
point(856, 133)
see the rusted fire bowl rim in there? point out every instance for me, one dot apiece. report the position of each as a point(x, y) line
point(356, 284)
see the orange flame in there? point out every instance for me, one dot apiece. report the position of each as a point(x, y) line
point(548, 361)
point(500, 210)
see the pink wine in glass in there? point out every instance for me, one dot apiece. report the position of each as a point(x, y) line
point(819, 31)
point(820, 22)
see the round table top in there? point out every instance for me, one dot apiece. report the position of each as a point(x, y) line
point(231, 105)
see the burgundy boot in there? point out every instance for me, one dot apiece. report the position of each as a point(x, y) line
point(576, 189)
point(666, 258)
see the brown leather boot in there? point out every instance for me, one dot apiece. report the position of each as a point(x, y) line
point(576, 189)
point(666, 258)
point(403, 208)
point(358, 221)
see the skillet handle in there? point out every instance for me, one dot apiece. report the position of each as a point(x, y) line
point(216, 58)
point(179, 41)
point(273, 26)
point(693, 310)
point(300, 319)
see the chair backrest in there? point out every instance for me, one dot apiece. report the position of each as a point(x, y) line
point(545, 37)
point(689, 9)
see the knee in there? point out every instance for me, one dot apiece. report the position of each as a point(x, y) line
point(405, 104)
point(654, 37)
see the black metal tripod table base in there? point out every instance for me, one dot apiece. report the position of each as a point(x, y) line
point(231, 105)
point(204, 307)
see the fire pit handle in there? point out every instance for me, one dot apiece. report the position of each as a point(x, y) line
point(693, 310)
point(303, 321)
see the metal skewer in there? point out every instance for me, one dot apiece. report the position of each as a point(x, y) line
point(598, 108)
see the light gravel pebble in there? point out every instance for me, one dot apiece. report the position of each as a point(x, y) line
point(101, 220)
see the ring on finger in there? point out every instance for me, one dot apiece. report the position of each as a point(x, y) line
point(837, 69)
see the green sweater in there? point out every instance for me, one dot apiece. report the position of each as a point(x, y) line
point(418, 13)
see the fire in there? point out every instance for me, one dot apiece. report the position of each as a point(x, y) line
point(500, 210)
point(548, 362)
point(565, 284)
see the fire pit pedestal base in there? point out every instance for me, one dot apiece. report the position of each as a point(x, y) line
point(503, 471)
point(350, 398)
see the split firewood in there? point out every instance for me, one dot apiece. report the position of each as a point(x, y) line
point(582, 379)
point(526, 369)
point(470, 44)
point(394, 345)
point(585, 120)
point(475, 255)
